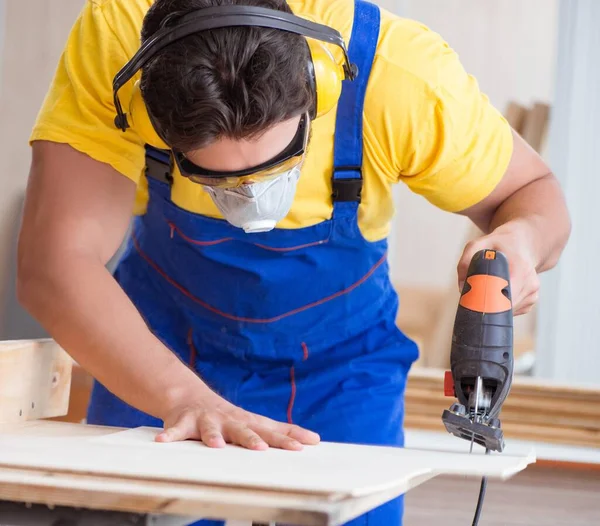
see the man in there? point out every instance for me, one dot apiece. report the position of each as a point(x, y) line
point(253, 303)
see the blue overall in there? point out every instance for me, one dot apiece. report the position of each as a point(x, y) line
point(294, 324)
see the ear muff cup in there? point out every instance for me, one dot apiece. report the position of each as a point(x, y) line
point(327, 77)
point(140, 120)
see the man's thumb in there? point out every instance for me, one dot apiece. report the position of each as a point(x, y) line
point(177, 432)
point(471, 248)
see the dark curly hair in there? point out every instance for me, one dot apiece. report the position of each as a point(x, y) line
point(229, 82)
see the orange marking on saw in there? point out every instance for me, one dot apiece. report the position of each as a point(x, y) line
point(486, 295)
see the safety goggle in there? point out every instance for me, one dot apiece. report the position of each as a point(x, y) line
point(291, 157)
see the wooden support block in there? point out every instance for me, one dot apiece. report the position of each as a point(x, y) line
point(35, 380)
point(81, 391)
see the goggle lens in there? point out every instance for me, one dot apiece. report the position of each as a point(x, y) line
point(257, 177)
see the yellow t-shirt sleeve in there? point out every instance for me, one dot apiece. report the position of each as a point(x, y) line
point(445, 139)
point(78, 108)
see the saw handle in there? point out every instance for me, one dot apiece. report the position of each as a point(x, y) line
point(487, 285)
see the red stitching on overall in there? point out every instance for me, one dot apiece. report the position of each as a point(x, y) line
point(253, 320)
point(293, 384)
point(174, 228)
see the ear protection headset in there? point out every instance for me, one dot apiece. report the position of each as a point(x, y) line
point(324, 74)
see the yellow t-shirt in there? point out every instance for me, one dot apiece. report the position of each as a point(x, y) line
point(426, 123)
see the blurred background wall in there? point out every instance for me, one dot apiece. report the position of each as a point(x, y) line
point(510, 46)
point(33, 34)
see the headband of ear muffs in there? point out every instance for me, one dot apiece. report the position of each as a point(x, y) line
point(324, 74)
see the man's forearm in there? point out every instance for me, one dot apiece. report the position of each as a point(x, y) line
point(88, 314)
point(538, 212)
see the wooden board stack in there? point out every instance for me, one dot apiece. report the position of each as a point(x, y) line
point(534, 410)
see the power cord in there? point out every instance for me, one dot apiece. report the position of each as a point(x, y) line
point(481, 497)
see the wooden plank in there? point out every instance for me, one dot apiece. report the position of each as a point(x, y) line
point(353, 470)
point(58, 463)
point(175, 498)
point(35, 380)
point(199, 501)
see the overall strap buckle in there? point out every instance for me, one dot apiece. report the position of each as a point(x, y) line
point(159, 165)
point(347, 189)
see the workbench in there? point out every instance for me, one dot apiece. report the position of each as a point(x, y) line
point(112, 469)
point(74, 474)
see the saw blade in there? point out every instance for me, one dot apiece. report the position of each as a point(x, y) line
point(477, 396)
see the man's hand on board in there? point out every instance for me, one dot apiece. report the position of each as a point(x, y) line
point(216, 422)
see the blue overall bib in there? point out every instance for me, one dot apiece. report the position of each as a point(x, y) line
point(297, 325)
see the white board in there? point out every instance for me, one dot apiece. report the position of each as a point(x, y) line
point(352, 470)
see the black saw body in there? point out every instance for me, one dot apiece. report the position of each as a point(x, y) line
point(481, 357)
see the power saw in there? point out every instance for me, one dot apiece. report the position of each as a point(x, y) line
point(481, 357)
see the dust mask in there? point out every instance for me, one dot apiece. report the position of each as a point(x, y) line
point(257, 207)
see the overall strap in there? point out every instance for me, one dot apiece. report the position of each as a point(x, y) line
point(348, 148)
